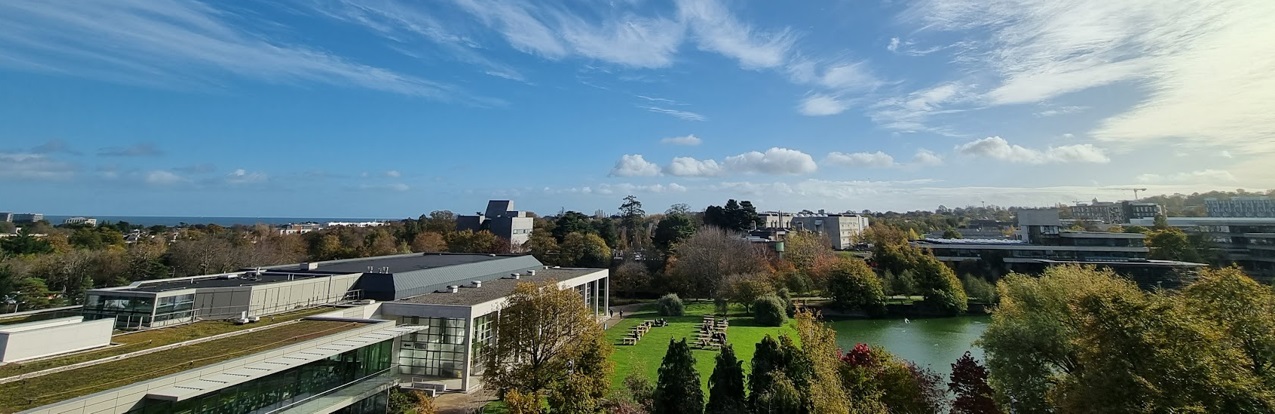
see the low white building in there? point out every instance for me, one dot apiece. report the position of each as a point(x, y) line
point(843, 230)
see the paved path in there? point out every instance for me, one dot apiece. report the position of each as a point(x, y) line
point(458, 403)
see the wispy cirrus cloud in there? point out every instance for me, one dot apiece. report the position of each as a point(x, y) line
point(144, 149)
point(167, 43)
point(32, 166)
point(683, 115)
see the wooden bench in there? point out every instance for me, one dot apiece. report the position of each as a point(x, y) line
point(628, 340)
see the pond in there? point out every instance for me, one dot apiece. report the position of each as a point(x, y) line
point(934, 342)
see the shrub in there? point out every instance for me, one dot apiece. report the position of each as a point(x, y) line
point(789, 308)
point(769, 311)
point(670, 305)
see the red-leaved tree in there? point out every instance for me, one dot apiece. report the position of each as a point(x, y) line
point(969, 384)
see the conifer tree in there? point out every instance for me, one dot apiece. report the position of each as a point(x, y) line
point(766, 359)
point(726, 385)
point(678, 389)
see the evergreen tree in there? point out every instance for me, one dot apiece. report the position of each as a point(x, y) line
point(726, 385)
point(678, 389)
point(766, 358)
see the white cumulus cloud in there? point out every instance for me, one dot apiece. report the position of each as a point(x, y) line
point(822, 105)
point(773, 161)
point(861, 159)
point(1000, 149)
point(691, 167)
point(927, 158)
point(688, 140)
point(633, 165)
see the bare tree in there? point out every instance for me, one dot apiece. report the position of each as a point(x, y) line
point(701, 262)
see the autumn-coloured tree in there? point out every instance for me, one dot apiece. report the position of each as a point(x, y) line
point(969, 385)
point(819, 345)
point(429, 242)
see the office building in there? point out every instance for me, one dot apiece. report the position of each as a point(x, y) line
point(27, 217)
point(776, 220)
point(1041, 242)
point(298, 228)
point(82, 221)
point(1115, 213)
point(502, 220)
point(1240, 207)
point(843, 230)
point(6, 217)
point(1246, 241)
point(412, 320)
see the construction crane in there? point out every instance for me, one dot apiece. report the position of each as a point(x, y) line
point(1134, 190)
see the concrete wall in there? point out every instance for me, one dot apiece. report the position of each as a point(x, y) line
point(56, 336)
point(285, 296)
point(120, 400)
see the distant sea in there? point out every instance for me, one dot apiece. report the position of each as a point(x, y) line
point(220, 221)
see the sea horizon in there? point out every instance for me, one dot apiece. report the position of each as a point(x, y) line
point(218, 220)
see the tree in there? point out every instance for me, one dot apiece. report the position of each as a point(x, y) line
point(1244, 312)
point(571, 222)
point(31, 293)
point(631, 276)
point(937, 282)
point(440, 221)
point(544, 332)
point(469, 241)
point(819, 346)
point(726, 385)
point(853, 285)
point(678, 208)
point(671, 230)
point(806, 250)
point(978, 288)
point(670, 305)
point(640, 390)
point(952, 234)
point(779, 396)
point(767, 358)
point(1172, 244)
point(631, 215)
point(900, 284)
point(745, 289)
point(969, 385)
point(678, 388)
point(429, 242)
point(585, 383)
point(25, 243)
point(768, 310)
point(544, 247)
point(702, 261)
point(585, 250)
point(735, 216)
point(906, 388)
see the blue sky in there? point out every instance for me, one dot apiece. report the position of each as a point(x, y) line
point(393, 108)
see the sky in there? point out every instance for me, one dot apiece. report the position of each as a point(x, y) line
point(385, 108)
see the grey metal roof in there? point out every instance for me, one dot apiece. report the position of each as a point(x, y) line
point(398, 285)
point(494, 289)
point(405, 262)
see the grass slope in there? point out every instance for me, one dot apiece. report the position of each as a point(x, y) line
point(645, 357)
point(138, 341)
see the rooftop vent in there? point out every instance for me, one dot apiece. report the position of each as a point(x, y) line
point(531, 272)
point(453, 289)
point(309, 266)
point(477, 283)
point(492, 255)
point(513, 276)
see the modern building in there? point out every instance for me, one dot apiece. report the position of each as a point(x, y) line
point(1240, 207)
point(85, 221)
point(6, 217)
point(502, 220)
point(30, 340)
point(1246, 241)
point(427, 320)
point(27, 217)
point(1115, 213)
point(776, 220)
point(298, 228)
point(1042, 243)
point(842, 230)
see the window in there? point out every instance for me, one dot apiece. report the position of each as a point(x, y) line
point(436, 351)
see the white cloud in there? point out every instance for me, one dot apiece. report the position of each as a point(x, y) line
point(242, 176)
point(175, 44)
point(1204, 65)
point(683, 115)
point(894, 44)
point(773, 161)
point(1062, 110)
point(822, 105)
point(717, 30)
point(632, 41)
point(861, 159)
point(161, 177)
point(927, 158)
point(912, 112)
point(688, 140)
point(1000, 149)
point(393, 174)
point(633, 165)
point(31, 166)
point(1208, 176)
point(690, 167)
point(396, 187)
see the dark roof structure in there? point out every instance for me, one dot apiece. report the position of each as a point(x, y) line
point(405, 262)
point(468, 295)
point(403, 276)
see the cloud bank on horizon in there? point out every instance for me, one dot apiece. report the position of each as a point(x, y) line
point(392, 107)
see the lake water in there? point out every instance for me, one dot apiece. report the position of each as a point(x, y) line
point(935, 342)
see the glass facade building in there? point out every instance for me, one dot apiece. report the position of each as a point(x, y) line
point(438, 350)
point(132, 310)
point(287, 388)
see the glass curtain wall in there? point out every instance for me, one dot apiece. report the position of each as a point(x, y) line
point(436, 351)
point(281, 389)
point(128, 311)
point(178, 307)
point(483, 337)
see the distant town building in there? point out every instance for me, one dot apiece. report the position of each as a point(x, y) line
point(356, 223)
point(27, 217)
point(1246, 241)
point(1115, 213)
point(776, 220)
point(298, 228)
point(86, 221)
point(842, 229)
point(6, 217)
point(502, 220)
point(1240, 207)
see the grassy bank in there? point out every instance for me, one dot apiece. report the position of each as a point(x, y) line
point(645, 357)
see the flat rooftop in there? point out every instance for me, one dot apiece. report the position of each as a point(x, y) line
point(65, 385)
point(224, 280)
point(491, 290)
point(398, 263)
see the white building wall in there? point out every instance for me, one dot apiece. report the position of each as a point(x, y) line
point(56, 336)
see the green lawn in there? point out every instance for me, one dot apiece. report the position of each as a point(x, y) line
point(152, 338)
point(46, 389)
point(645, 357)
